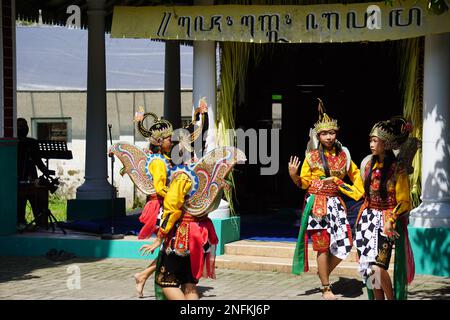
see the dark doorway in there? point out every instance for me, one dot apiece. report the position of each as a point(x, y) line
point(358, 83)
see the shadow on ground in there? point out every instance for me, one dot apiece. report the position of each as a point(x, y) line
point(13, 268)
point(202, 290)
point(346, 287)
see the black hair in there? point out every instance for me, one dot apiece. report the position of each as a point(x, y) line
point(159, 126)
point(154, 149)
point(389, 159)
point(326, 168)
point(191, 127)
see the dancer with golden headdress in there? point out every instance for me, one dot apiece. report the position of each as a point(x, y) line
point(326, 164)
point(186, 236)
point(382, 221)
point(160, 144)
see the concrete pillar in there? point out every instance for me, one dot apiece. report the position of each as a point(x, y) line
point(8, 142)
point(204, 80)
point(434, 212)
point(8, 100)
point(205, 85)
point(96, 186)
point(172, 94)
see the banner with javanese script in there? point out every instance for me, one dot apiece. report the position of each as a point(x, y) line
point(374, 21)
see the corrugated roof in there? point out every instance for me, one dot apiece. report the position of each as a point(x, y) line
point(55, 58)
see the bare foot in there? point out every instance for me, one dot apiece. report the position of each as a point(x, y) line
point(328, 295)
point(139, 285)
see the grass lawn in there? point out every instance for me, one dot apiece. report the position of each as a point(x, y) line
point(57, 205)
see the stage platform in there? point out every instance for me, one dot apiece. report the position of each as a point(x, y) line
point(90, 244)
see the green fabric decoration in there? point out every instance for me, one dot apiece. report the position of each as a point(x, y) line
point(400, 273)
point(400, 281)
point(298, 263)
point(370, 294)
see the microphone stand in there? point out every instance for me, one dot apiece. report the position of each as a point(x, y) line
point(112, 235)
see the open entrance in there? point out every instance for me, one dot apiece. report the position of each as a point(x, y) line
point(359, 85)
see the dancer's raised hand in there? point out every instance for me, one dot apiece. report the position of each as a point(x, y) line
point(293, 165)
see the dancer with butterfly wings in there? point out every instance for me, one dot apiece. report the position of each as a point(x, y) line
point(185, 236)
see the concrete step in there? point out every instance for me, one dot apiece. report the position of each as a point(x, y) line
point(255, 263)
point(277, 257)
point(276, 264)
point(260, 248)
point(275, 250)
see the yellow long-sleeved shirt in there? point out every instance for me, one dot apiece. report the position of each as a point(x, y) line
point(158, 170)
point(309, 173)
point(173, 203)
point(399, 184)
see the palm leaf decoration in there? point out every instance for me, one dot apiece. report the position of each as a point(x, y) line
point(410, 53)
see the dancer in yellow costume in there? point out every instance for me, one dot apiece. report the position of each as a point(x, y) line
point(186, 236)
point(159, 136)
point(324, 218)
point(383, 218)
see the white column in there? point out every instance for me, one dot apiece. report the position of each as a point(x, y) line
point(434, 211)
point(205, 85)
point(204, 80)
point(172, 94)
point(96, 185)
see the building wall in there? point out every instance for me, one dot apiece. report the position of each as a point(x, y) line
point(8, 68)
point(8, 144)
point(121, 106)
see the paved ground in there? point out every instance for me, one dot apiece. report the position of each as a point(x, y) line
point(39, 278)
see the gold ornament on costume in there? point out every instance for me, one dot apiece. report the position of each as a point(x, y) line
point(325, 122)
point(210, 173)
point(160, 129)
point(393, 132)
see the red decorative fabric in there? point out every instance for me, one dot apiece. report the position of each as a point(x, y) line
point(320, 240)
point(182, 238)
point(148, 217)
point(305, 255)
point(410, 264)
point(349, 234)
point(202, 264)
point(320, 206)
point(336, 163)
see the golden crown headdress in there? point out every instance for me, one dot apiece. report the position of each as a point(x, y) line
point(393, 132)
point(160, 129)
point(325, 122)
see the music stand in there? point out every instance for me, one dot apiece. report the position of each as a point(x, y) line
point(50, 149)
